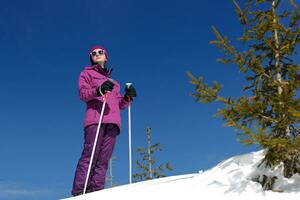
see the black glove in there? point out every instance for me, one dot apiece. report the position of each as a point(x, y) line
point(106, 86)
point(129, 92)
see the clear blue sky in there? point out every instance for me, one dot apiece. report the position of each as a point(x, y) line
point(44, 46)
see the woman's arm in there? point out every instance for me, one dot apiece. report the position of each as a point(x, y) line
point(85, 90)
point(123, 103)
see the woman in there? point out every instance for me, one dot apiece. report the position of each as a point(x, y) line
point(95, 86)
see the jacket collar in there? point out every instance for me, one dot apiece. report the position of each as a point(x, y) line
point(104, 71)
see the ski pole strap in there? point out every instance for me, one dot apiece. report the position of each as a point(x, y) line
point(104, 97)
point(129, 100)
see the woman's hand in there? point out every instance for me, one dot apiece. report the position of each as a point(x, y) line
point(107, 86)
point(130, 92)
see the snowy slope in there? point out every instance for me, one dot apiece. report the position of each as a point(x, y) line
point(231, 179)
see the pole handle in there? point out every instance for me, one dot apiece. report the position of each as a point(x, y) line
point(128, 85)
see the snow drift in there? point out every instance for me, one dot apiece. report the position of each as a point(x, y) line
point(231, 179)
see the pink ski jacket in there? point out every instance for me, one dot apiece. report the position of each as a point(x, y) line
point(89, 80)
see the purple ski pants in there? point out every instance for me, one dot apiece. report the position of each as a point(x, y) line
point(105, 145)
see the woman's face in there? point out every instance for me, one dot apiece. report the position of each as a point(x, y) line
point(98, 56)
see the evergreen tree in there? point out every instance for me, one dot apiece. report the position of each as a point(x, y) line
point(270, 115)
point(109, 176)
point(147, 163)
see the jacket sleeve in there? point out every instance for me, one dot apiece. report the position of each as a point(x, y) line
point(122, 102)
point(85, 90)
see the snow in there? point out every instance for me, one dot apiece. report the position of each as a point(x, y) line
point(230, 179)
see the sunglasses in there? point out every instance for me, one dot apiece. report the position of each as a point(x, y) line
point(100, 52)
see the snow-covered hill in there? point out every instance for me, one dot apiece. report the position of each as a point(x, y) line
point(231, 179)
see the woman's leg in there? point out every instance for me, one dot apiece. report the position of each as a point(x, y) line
point(101, 165)
point(83, 163)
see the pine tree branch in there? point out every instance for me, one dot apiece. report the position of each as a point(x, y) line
point(293, 3)
point(240, 13)
point(268, 118)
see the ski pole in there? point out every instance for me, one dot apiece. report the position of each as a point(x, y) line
point(95, 143)
point(129, 136)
